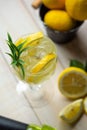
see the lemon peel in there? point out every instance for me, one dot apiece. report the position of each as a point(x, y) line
point(72, 112)
point(54, 4)
point(29, 40)
point(40, 65)
point(85, 105)
point(77, 9)
point(62, 22)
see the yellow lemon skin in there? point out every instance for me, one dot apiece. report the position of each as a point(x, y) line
point(85, 104)
point(72, 112)
point(59, 20)
point(43, 62)
point(29, 40)
point(77, 9)
point(54, 4)
point(72, 82)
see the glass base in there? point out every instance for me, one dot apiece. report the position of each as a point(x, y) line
point(37, 95)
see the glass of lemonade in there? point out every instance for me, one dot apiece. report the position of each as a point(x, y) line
point(39, 63)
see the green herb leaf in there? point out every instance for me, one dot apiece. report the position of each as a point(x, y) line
point(21, 61)
point(16, 51)
point(24, 49)
point(76, 63)
point(14, 63)
point(9, 38)
point(22, 68)
point(10, 55)
point(20, 46)
point(86, 66)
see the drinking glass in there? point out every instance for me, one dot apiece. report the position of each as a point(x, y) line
point(33, 57)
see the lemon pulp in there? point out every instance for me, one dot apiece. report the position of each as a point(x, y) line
point(72, 112)
point(72, 82)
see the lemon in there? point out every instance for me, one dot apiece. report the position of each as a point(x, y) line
point(54, 4)
point(72, 112)
point(77, 9)
point(29, 40)
point(46, 59)
point(72, 82)
point(85, 105)
point(59, 20)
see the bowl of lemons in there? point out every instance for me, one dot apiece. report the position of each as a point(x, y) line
point(62, 18)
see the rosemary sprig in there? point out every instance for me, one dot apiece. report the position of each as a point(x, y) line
point(15, 54)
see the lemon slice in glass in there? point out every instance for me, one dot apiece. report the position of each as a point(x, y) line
point(28, 39)
point(72, 112)
point(45, 60)
point(72, 82)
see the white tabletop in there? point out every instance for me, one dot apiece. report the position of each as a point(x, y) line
point(18, 18)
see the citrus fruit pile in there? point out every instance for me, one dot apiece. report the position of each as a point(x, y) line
point(63, 14)
point(72, 83)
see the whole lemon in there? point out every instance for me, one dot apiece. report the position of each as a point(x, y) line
point(77, 9)
point(54, 4)
point(59, 20)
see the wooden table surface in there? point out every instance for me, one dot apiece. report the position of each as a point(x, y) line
point(18, 18)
